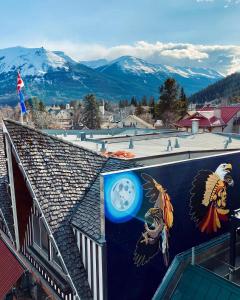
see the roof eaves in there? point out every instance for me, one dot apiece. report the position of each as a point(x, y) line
point(54, 137)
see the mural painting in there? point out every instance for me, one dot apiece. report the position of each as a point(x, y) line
point(154, 213)
point(155, 237)
point(208, 204)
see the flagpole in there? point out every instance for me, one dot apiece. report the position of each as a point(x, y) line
point(21, 117)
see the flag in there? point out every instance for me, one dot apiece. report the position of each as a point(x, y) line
point(20, 85)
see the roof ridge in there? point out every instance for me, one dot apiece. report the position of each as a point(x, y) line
point(53, 137)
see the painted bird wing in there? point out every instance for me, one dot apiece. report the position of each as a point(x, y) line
point(144, 252)
point(150, 186)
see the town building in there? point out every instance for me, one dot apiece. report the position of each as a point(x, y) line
point(135, 122)
point(212, 119)
point(54, 231)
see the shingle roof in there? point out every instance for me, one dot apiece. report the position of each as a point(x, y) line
point(65, 180)
point(59, 173)
point(87, 214)
point(207, 119)
point(5, 201)
point(204, 121)
point(227, 112)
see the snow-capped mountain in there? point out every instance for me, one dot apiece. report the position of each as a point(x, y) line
point(139, 66)
point(30, 61)
point(54, 76)
point(134, 69)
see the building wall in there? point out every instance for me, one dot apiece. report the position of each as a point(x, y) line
point(137, 266)
point(93, 257)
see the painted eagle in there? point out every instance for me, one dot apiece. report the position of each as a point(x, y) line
point(155, 236)
point(209, 198)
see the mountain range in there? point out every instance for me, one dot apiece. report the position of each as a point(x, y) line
point(55, 77)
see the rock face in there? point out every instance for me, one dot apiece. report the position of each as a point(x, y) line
point(55, 77)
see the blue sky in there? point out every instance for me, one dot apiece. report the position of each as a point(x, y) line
point(85, 29)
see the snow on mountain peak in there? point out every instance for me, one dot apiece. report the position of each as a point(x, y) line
point(137, 66)
point(30, 61)
point(134, 65)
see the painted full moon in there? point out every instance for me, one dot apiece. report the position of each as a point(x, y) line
point(123, 194)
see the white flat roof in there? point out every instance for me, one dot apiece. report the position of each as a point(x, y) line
point(152, 146)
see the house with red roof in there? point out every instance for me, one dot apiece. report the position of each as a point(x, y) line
point(212, 119)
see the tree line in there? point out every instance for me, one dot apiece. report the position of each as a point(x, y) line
point(171, 105)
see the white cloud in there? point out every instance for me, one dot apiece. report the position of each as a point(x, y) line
point(224, 58)
point(226, 3)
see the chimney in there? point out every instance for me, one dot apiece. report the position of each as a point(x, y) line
point(195, 126)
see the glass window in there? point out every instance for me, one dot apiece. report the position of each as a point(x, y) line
point(44, 237)
point(36, 230)
point(55, 257)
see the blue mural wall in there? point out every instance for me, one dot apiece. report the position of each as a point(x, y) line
point(154, 213)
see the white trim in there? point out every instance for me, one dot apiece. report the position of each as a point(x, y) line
point(100, 273)
point(89, 268)
point(94, 258)
point(78, 240)
point(87, 236)
point(84, 251)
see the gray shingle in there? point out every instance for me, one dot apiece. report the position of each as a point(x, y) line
point(87, 215)
point(60, 174)
point(5, 201)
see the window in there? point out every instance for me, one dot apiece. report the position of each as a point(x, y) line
point(55, 257)
point(42, 243)
point(36, 230)
point(44, 237)
point(40, 235)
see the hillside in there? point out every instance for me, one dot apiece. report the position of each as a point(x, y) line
point(225, 88)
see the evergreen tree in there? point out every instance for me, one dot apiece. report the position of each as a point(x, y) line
point(120, 104)
point(27, 104)
point(144, 101)
point(41, 106)
point(91, 116)
point(166, 107)
point(182, 104)
point(134, 101)
point(152, 106)
point(139, 110)
point(108, 106)
point(34, 102)
point(169, 92)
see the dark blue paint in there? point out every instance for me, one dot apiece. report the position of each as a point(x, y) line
point(125, 280)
